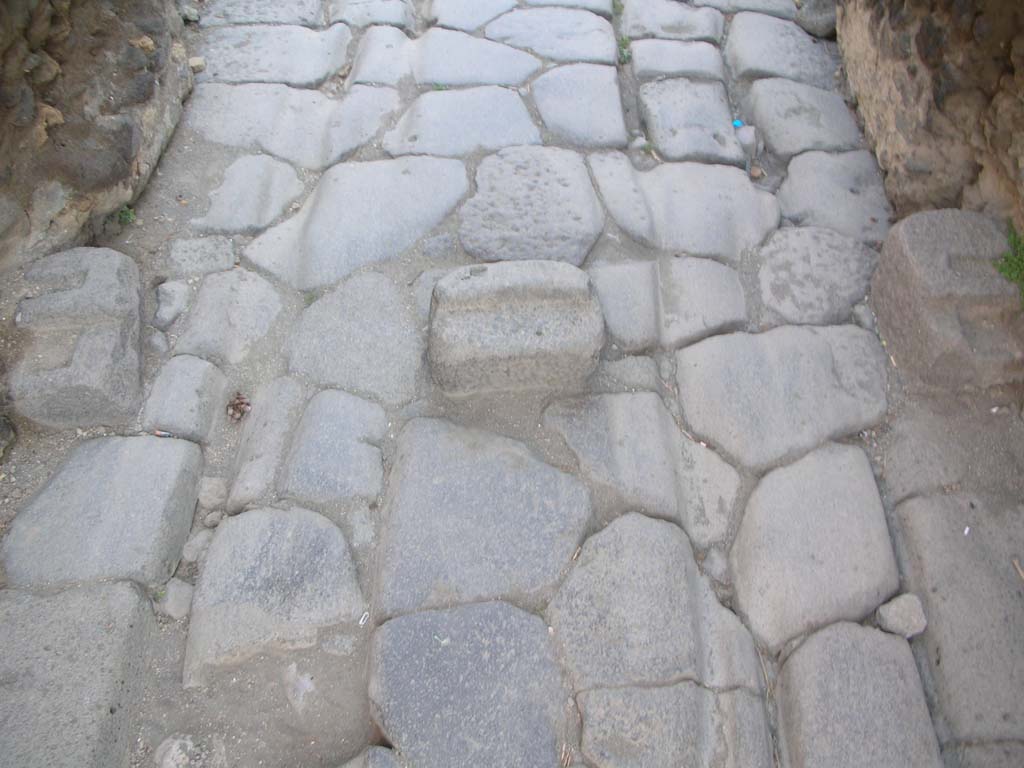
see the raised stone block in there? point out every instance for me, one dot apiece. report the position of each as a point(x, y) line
point(764, 46)
point(690, 120)
point(560, 34)
point(670, 20)
point(187, 397)
point(581, 104)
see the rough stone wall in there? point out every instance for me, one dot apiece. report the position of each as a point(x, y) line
point(940, 86)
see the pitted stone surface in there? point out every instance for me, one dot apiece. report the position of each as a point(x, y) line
point(200, 256)
point(187, 397)
point(636, 611)
point(580, 103)
point(469, 686)
point(468, 15)
point(360, 213)
point(117, 508)
point(763, 46)
point(473, 516)
point(795, 118)
point(703, 210)
point(690, 120)
point(670, 20)
point(363, 13)
point(271, 580)
point(850, 696)
point(525, 325)
point(459, 123)
point(784, 9)
point(770, 397)
point(813, 547)
point(305, 12)
point(532, 203)
point(561, 34)
point(301, 126)
point(671, 58)
point(255, 191)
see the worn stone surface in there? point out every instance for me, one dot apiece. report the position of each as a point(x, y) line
point(628, 294)
point(764, 46)
point(603, 7)
point(186, 399)
point(216, 12)
point(817, 17)
point(193, 256)
point(468, 15)
point(670, 58)
point(255, 191)
point(362, 13)
point(783, 9)
point(117, 508)
point(628, 374)
point(532, 203)
point(919, 457)
point(903, 615)
point(580, 104)
point(561, 34)
point(670, 20)
point(690, 120)
point(172, 299)
point(374, 757)
point(795, 118)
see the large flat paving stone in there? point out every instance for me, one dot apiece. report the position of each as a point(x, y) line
point(359, 214)
point(850, 696)
point(473, 516)
point(581, 104)
point(467, 15)
point(186, 399)
point(796, 118)
point(72, 671)
point(306, 12)
point(813, 547)
point(524, 325)
point(635, 610)
point(652, 59)
point(470, 686)
point(770, 397)
point(255, 191)
point(532, 203)
point(784, 9)
point(560, 34)
point(670, 20)
point(117, 508)
point(690, 120)
point(363, 13)
point(765, 46)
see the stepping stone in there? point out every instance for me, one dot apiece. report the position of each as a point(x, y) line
point(471, 686)
point(642, 726)
point(341, 228)
point(187, 397)
point(363, 13)
point(360, 337)
point(813, 547)
point(843, 192)
point(652, 59)
point(636, 611)
point(116, 508)
point(256, 191)
point(233, 311)
point(273, 54)
point(690, 120)
point(472, 516)
point(335, 458)
point(634, 458)
point(850, 696)
point(305, 12)
point(810, 275)
point(580, 103)
point(73, 675)
point(467, 15)
point(459, 123)
point(783, 9)
point(80, 366)
point(271, 580)
point(770, 397)
point(559, 34)
point(702, 210)
point(303, 127)
point(197, 256)
point(763, 46)
point(795, 118)
point(532, 203)
point(525, 325)
point(671, 20)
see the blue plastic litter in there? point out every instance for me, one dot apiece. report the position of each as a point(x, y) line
point(737, 123)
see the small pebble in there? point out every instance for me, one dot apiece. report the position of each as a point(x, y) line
point(902, 615)
point(197, 64)
point(190, 13)
point(176, 599)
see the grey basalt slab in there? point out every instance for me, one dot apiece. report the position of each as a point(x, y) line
point(652, 59)
point(360, 213)
point(764, 46)
point(467, 15)
point(581, 104)
point(255, 191)
point(690, 120)
point(363, 13)
point(116, 508)
point(783, 9)
point(186, 398)
point(671, 20)
point(796, 118)
point(559, 34)
point(306, 12)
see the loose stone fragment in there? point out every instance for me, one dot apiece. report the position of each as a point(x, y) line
point(580, 103)
point(902, 615)
point(763, 46)
point(172, 299)
point(796, 118)
point(306, 12)
point(670, 20)
point(255, 191)
point(469, 686)
point(468, 15)
point(523, 325)
point(784, 9)
point(560, 34)
point(200, 256)
point(174, 599)
point(363, 13)
point(186, 399)
point(690, 120)
point(850, 696)
point(117, 508)
point(669, 58)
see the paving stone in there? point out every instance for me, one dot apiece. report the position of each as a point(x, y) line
point(903, 615)
point(459, 123)
point(841, 191)
point(468, 15)
point(80, 363)
point(636, 611)
point(73, 667)
point(200, 256)
point(817, 17)
point(271, 580)
point(813, 275)
point(702, 210)
point(919, 457)
point(116, 508)
point(690, 120)
point(795, 118)
point(187, 397)
point(174, 600)
point(359, 214)
point(671, 58)
point(603, 7)
point(643, 726)
point(532, 203)
point(470, 686)
point(628, 293)
point(472, 516)
point(172, 299)
point(374, 757)
point(784, 9)
point(524, 325)
point(361, 337)
point(560, 34)
point(303, 127)
point(763, 46)
point(232, 312)
point(306, 12)
point(850, 696)
point(813, 547)
point(670, 20)
point(256, 191)
point(633, 457)
point(580, 103)
point(769, 397)
point(273, 54)
point(363, 13)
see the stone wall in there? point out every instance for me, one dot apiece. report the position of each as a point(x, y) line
point(940, 86)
